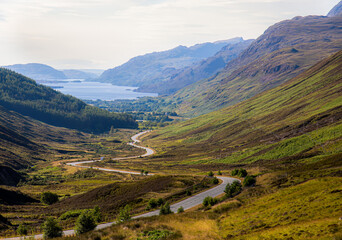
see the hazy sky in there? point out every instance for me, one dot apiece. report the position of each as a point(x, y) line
point(107, 33)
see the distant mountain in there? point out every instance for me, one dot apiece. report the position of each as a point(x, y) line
point(155, 67)
point(25, 96)
point(204, 69)
point(78, 74)
point(37, 71)
point(336, 11)
point(282, 52)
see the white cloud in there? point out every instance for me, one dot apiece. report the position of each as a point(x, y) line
point(106, 33)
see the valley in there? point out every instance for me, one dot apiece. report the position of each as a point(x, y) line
point(240, 139)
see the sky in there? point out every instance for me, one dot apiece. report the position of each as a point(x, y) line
point(102, 34)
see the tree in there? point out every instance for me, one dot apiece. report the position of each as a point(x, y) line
point(85, 222)
point(209, 201)
point(51, 228)
point(22, 230)
point(165, 209)
point(152, 203)
point(242, 172)
point(233, 189)
point(97, 214)
point(210, 174)
point(48, 198)
point(124, 214)
point(219, 173)
point(249, 181)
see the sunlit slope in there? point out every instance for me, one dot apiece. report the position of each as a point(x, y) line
point(301, 118)
point(285, 50)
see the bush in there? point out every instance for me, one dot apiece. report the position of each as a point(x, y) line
point(233, 189)
point(152, 203)
point(188, 193)
point(219, 173)
point(160, 201)
point(165, 209)
point(210, 174)
point(124, 214)
point(215, 180)
point(239, 172)
point(85, 222)
point(249, 181)
point(49, 198)
point(180, 209)
point(209, 201)
point(22, 230)
point(51, 228)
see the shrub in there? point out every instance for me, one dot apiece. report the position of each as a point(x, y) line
point(22, 230)
point(152, 203)
point(48, 198)
point(188, 193)
point(165, 209)
point(219, 173)
point(85, 222)
point(210, 174)
point(209, 201)
point(51, 228)
point(124, 214)
point(249, 181)
point(215, 180)
point(242, 173)
point(233, 189)
point(239, 172)
point(97, 214)
point(160, 201)
point(180, 209)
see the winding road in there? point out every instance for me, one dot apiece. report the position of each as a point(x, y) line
point(186, 204)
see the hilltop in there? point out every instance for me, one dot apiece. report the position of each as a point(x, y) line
point(285, 50)
point(37, 71)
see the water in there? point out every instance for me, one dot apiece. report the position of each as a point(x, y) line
point(95, 90)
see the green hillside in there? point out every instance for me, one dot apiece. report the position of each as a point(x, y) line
point(25, 96)
point(301, 119)
point(281, 53)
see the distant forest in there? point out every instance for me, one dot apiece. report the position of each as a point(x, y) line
point(24, 95)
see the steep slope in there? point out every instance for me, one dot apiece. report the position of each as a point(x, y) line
point(336, 11)
point(37, 71)
point(23, 140)
point(282, 52)
point(154, 67)
point(25, 96)
point(204, 69)
point(301, 119)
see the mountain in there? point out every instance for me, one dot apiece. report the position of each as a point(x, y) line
point(154, 67)
point(204, 69)
point(79, 74)
point(336, 11)
point(282, 52)
point(298, 120)
point(25, 96)
point(37, 71)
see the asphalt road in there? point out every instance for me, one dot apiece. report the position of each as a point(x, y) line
point(186, 204)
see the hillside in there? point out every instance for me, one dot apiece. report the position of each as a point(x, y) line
point(282, 52)
point(336, 11)
point(37, 71)
point(154, 67)
point(299, 120)
point(204, 69)
point(78, 74)
point(25, 96)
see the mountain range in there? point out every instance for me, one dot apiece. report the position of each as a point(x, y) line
point(158, 66)
point(282, 52)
